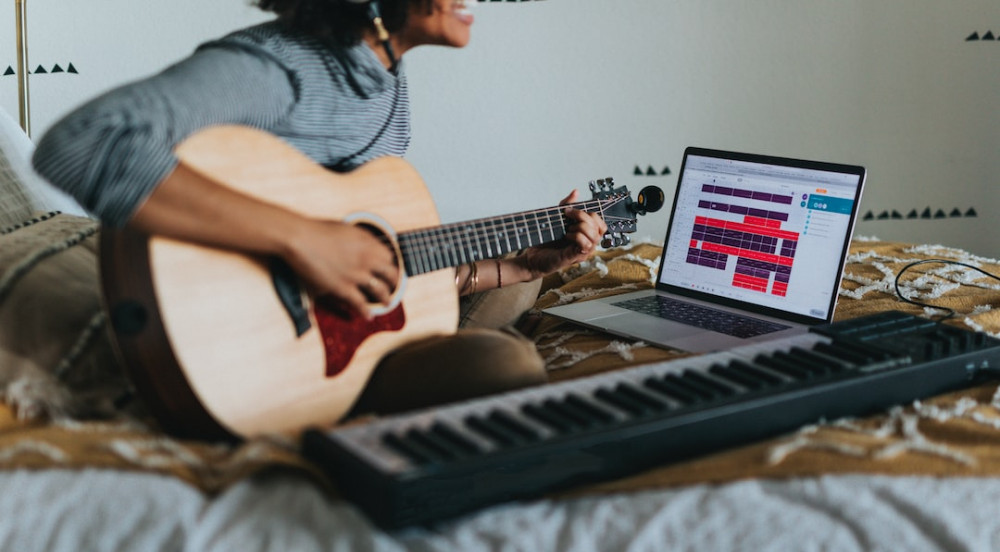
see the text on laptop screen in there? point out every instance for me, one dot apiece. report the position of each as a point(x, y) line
point(771, 235)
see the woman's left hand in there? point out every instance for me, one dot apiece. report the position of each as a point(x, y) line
point(582, 238)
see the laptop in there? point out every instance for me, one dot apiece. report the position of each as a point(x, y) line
point(754, 251)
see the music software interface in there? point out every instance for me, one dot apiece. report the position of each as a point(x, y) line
point(766, 234)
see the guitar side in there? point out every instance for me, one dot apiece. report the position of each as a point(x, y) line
point(208, 342)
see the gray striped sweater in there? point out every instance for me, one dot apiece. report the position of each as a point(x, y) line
point(338, 106)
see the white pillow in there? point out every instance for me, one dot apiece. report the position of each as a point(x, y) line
point(22, 190)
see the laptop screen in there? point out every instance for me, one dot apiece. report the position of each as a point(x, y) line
point(762, 233)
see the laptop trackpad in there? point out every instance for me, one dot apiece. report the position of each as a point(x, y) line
point(651, 328)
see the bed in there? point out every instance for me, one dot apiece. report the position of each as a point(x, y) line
point(98, 475)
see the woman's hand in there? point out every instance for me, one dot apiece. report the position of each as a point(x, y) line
point(582, 238)
point(345, 262)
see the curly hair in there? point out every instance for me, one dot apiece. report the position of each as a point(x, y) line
point(341, 21)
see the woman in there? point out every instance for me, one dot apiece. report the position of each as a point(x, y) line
point(327, 77)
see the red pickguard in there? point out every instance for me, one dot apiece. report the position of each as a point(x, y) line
point(343, 333)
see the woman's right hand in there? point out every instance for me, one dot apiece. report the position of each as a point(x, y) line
point(343, 261)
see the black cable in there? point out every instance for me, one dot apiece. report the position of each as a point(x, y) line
point(951, 311)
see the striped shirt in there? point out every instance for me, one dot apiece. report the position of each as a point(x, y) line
point(340, 107)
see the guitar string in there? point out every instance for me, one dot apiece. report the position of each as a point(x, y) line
point(484, 228)
point(426, 244)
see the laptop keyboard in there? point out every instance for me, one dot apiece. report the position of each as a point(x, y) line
point(701, 317)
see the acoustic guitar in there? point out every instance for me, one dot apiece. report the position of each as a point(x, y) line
point(221, 344)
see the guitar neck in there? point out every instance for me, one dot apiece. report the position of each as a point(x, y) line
point(431, 249)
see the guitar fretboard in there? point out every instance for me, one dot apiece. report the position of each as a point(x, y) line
point(451, 245)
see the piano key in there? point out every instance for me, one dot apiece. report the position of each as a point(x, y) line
point(622, 403)
point(631, 392)
point(504, 420)
point(588, 408)
point(580, 420)
point(496, 433)
point(830, 363)
point(741, 378)
point(706, 381)
point(449, 435)
point(445, 449)
point(550, 418)
point(764, 375)
point(671, 389)
point(415, 452)
point(789, 369)
point(794, 360)
point(693, 385)
point(843, 353)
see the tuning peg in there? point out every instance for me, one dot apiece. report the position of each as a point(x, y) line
point(593, 185)
point(608, 242)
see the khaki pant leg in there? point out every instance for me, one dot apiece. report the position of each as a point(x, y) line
point(438, 370)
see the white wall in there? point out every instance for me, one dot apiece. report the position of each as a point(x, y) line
point(554, 93)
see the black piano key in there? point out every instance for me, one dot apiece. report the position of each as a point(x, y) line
point(843, 353)
point(549, 418)
point(793, 360)
point(830, 363)
point(692, 385)
point(742, 378)
point(579, 419)
point(652, 403)
point(620, 402)
point(444, 448)
point(504, 420)
point(588, 408)
point(450, 435)
point(494, 432)
point(670, 389)
point(763, 375)
point(416, 453)
point(789, 369)
point(702, 379)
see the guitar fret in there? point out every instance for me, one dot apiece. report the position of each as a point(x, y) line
point(496, 238)
point(480, 246)
point(435, 250)
point(538, 226)
point(415, 258)
point(518, 229)
point(425, 258)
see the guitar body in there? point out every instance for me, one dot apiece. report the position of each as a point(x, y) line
point(208, 342)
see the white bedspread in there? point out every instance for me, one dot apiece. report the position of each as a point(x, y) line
point(103, 510)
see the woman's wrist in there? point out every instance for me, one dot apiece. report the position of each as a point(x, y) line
point(518, 269)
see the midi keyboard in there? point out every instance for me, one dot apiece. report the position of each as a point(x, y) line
point(437, 463)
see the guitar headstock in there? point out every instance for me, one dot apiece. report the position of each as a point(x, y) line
point(620, 210)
